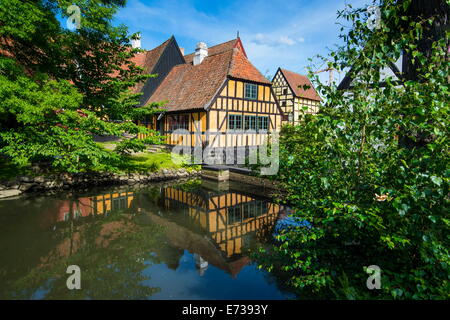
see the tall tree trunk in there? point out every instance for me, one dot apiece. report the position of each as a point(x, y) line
point(421, 10)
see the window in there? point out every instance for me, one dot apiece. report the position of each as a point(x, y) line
point(285, 91)
point(284, 104)
point(251, 91)
point(119, 203)
point(291, 117)
point(178, 122)
point(263, 123)
point(234, 122)
point(250, 123)
point(250, 209)
point(263, 208)
point(234, 214)
point(147, 121)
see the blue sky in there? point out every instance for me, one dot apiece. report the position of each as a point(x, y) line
point(274, 33)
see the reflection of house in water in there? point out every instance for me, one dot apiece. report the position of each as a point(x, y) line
point(77, 212)
point(201, 264)
point(87, 206)
point(230, 217)
point(105, 203)
point(215, 226)
point(232, 220)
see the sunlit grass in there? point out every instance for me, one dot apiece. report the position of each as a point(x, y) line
point(139, 163)
point(150, 162)
point(153, 162)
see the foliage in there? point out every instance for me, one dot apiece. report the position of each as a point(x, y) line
point(9, 171)
point(59, 88)
point(370, 172)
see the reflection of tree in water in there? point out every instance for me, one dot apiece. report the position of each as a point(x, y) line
point(114, 248)
point(112, 252)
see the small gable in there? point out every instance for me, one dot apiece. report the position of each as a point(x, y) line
point(242, 68)
point(300, 85)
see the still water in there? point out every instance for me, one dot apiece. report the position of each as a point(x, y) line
point(190, 240)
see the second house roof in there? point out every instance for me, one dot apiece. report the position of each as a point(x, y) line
point(300, 85)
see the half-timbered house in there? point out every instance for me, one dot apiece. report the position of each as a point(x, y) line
point(215, 94)
point(295, 95)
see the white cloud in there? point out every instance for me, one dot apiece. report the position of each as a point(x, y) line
point(286, 40)
point(273, 40)
point(280, 32)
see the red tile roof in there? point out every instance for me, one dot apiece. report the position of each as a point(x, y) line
point(189, 87)
point(297, 81)
point(236, 266)
point(242, 68)
point(220, 48)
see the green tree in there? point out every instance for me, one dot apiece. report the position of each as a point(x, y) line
point(59, 87)
point(370, 172)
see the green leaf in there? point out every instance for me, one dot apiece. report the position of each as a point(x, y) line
point(436, 180)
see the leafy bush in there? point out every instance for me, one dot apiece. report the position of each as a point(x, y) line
point(370, 172)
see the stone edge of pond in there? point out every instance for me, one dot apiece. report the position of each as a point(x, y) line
point(65, 181)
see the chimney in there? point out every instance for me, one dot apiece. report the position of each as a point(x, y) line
point(182, 51)
point(201, 52)
point(136, 42)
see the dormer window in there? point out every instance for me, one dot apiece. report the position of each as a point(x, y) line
point(251, 91)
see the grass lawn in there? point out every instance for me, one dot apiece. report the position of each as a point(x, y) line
point(150, 162)
point(141, 163)
point(154, 162)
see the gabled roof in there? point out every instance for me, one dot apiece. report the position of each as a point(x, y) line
point(297, 81)
point(242, 68)
point(189, 87)
point(394, 70)
point(148, 60)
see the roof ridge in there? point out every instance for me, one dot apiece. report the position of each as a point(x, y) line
point(230, 63)
point(300, 74)
point(223, 43)
point(295, 79)
point(221, 52)
point(240, 74)
point(155, 48)
point(216, 45)
point(161, 45)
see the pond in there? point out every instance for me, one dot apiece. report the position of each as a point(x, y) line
point(189, 240)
